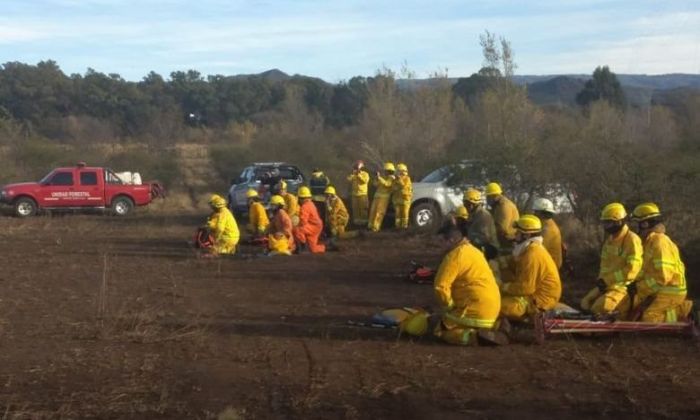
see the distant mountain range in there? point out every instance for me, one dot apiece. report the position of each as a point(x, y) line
point(640, 89)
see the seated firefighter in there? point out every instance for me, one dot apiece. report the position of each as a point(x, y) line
point(535, 285)
point(337, 216)
point(281, 237)
point(257, 216)
point(222, 227)
point(465, 290)
point(661, 283)
point(620, 262)
point(308, 232)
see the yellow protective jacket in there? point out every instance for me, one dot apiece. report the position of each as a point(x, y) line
point(337, 215)
point(223, 226)
point(291, 204)
point(384, 185)
point(257, 218)
point(620, 259)
point(551, 239)
point(505, 213)
point(466, 289)
point(359, 181)
point(402, 190)
point(662, 272)
point(536, 276)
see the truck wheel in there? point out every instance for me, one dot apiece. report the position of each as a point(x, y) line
point(425, 216)
point(25, 207)
point(121, 206)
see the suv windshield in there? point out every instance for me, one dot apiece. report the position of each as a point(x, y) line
point(437, 175)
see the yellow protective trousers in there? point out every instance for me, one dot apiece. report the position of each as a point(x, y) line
point(667, 308)
point(516, 308)
point(377, 212)
point(360, 209)
point(457, 335)
point(225, 247)
point(612, 300)
point(402, 209)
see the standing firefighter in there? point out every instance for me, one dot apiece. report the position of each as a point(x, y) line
point(222, 227)
point(551, 235)
point(337, 216)
point(482, 231)
point(466, 292)
point(661, 282)
point(380, 202)
point(257, 216)
point(620, 262)
point(359, 180)
point(318, 183)
point(291, 204)
point(536, 285)
point(401, 196)
point(310, 227)
point(281, 238)
point(505, 214)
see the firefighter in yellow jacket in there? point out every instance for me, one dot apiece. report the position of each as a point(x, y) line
point(536, 285)
point(257, 216)
point(222, 227)
point(551, 235)
point(337, 216)
point(291, 203)
point(661, 282)
point(402, 195)
point(620, 262)
point(465, 290)
point(359, 180)
point(380, 202)
point(505, 214)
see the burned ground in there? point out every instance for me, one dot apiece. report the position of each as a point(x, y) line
point(112, 318)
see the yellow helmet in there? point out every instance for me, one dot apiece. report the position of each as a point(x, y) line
point(329, 190)
point(402, 167)
point(415, 324)
point(472, 195)
point(493, 189)
point(645, 211)
point(304, 192)
point(283, 185)
point(217, 201)
point(251, 193)
point(614, 212)
point(528, 223)
point(277, 200)
point(389, 167)
point(462, 212)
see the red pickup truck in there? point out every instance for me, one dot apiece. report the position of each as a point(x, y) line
point(78, 187)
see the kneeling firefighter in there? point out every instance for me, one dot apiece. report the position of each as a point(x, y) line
point(222, 227)
point(620, 262)
point(281, 237)
point(660, 290)
point(466, 291)
point(536, 285)
point(308, 232)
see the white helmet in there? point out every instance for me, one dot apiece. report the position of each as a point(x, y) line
point(543, 204)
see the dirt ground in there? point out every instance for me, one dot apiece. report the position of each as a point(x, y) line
point(114, 318)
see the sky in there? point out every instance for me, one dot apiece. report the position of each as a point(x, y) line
point(338, 39)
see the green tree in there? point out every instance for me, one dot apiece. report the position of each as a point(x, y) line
point(603, 86)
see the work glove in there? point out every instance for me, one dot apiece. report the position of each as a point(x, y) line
point(600, 284)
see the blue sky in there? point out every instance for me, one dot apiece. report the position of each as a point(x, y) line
point(335, 39)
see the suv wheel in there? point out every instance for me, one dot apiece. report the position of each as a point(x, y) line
point(25, 207)
point(425, 216)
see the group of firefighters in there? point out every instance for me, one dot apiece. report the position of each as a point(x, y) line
point(499, 265)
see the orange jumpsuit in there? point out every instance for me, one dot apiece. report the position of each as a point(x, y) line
point(310, 227)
